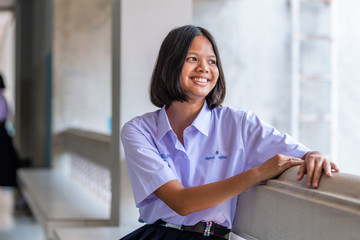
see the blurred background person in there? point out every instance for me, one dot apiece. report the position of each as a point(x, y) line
point(8, 156)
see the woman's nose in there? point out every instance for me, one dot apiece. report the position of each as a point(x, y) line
point(202, 67)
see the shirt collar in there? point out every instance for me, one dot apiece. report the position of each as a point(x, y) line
point(163, 123)
point(201, 122)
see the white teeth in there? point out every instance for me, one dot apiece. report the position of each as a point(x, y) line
point(202, 80)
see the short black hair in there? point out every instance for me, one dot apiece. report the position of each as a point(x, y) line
point(165, 84)
point(2, 84)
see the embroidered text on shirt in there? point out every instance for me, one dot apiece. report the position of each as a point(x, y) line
point(216, 156)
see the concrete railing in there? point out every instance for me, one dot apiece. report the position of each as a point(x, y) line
point(95, 147)
point(80, 196)
point(284, 208)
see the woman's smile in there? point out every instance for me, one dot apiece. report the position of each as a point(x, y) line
point(199, 80)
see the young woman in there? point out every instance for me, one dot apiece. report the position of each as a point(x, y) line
point(189, 160)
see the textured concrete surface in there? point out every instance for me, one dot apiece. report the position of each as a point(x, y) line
point(255, 45)
point(287, 209)
point(82, 65)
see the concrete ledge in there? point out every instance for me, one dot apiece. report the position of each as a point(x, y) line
point(284, 208)
point(57, 201)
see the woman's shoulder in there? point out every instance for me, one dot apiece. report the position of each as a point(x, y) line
point(230, 112)
point(150, 116)
point(143, 123)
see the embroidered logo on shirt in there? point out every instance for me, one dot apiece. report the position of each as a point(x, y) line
point(217, 156)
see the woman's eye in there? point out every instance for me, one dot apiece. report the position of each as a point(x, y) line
point(192, 58)
point(212, 61)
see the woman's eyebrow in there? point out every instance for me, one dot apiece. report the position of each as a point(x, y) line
point(194, 53)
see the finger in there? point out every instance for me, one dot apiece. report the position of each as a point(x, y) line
point(334, 167)
point(317, 173)
point(295, 161)
point(309, 170)
point(327, 168)
point(301, 171)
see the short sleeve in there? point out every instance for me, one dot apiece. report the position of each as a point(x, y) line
point(262, 141)
point(147, 170)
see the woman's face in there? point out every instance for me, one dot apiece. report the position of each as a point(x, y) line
point(200, 72)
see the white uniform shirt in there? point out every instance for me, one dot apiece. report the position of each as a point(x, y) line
point(219, 144)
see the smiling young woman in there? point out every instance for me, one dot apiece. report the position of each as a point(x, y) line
point(200, 72)
point(189, 160)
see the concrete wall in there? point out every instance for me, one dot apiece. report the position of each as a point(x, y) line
point(82, 65)
point(349, 85)
point(254, 39)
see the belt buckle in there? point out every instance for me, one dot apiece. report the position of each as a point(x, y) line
point(173, 226)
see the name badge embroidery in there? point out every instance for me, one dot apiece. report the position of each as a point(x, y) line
point(216, 156)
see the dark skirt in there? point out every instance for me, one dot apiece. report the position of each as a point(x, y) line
point(155, 232)
point(8, 159)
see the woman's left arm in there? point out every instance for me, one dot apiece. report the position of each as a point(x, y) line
point(314, 164)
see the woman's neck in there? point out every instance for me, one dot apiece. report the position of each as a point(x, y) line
point(182, 114)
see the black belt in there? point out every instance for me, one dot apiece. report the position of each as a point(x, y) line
point(205, 228)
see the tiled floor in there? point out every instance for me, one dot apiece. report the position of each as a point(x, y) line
point(16, 224)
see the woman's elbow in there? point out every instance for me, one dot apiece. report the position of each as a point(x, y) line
point(182, 210)
point(182, 207)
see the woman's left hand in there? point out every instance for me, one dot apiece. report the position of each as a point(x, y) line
point(314, 164)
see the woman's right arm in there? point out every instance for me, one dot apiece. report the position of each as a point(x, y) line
point(185, 201)
point(149, 174)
